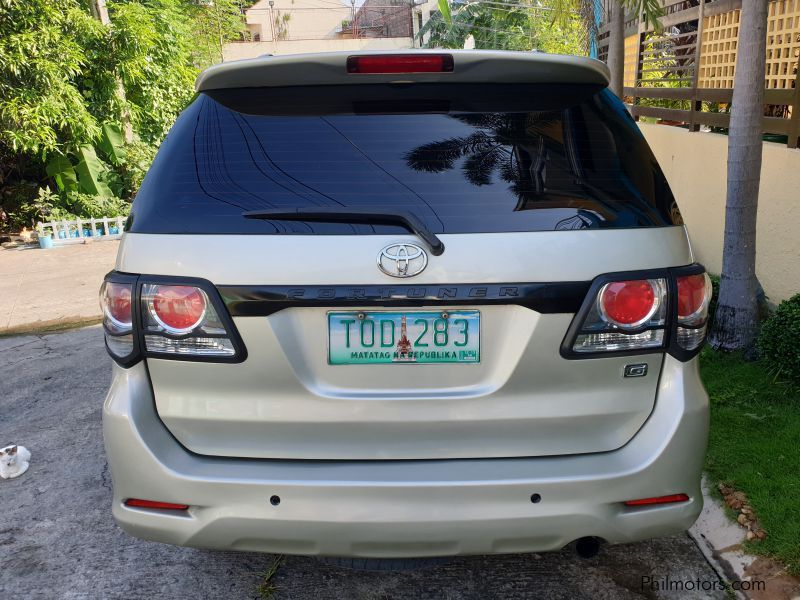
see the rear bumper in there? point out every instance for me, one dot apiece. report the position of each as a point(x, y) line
point(406, 508)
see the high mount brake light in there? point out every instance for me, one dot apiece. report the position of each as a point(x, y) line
point(167, 318)
point(647, 311)
point(400, 63)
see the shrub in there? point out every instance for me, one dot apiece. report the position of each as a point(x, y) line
point(134, 166)
point(45, 206)
point(777, 342)
point(49, 206)
point(86, 206)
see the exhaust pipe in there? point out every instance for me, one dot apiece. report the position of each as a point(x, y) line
point(588, 547)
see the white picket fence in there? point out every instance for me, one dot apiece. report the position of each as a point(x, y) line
point(75, 232)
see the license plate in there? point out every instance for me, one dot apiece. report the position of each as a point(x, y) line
point(422, 337)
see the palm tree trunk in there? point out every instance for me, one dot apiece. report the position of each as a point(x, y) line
point(736, 320)
point(616, 46)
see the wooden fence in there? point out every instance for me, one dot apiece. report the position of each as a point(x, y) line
point(75, 232)
point(684, 73)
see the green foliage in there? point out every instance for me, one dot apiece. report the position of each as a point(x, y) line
point(112, 143)
point(63, 173)
point(215, 23)
point(68, 83)
point(93, 175)
point(444, 10)
point(755, 433)
point(555, 26)
point(152, 52)
point(49, 206)
point(87, 206)
point(503, 25)
point(89, 183)
point(267, 588)
point(133, 168)
point(42, 53)
point(46, 205)
point(777, 342)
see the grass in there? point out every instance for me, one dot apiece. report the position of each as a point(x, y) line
point(53, 326)
point(755, 447)
point(266, 588)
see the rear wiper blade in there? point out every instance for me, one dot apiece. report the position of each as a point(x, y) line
point(348, 214)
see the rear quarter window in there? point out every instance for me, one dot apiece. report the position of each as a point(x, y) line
point(463, 158)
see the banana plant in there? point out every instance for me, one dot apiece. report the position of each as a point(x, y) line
point(84, 171)
point(112, 143)
point(61, 170)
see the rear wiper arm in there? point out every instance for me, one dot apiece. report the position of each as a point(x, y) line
point(348, 214)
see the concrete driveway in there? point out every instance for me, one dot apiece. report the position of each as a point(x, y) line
point(58, 540)
point(42, 289)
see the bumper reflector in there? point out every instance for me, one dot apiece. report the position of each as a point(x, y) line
point(658, 500)
point(137, 503)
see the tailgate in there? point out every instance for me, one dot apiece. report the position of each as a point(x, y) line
point(521, 399)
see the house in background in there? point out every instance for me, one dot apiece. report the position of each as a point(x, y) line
point(383, 19)
point(421, 11)
point(298, 26)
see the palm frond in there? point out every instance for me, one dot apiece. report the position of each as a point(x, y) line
point(478, 167)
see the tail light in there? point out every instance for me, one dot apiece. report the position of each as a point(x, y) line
point(167, 318)
point(116, 302)
point(624, 315)
point(177, 309)
point(647, 312)
point(629, 304)
point(181, 320)
point(694, 297)
point(400, 63)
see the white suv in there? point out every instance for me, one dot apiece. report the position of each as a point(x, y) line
point(405, 305)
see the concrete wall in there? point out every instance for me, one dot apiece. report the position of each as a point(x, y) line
point(306, 26)
point(696, 167)
point(420, 15)
point(239, 50)
point(296, 19)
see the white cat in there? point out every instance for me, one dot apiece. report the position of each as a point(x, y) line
point(14, 461)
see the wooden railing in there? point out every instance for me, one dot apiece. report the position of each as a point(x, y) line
point(695, 116)
point(670, 66)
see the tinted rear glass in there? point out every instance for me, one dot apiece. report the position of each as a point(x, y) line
point(463, 158)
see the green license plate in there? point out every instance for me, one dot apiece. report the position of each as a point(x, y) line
point(423, 337)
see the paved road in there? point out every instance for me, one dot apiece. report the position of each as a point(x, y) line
point(47, 288)
point(58, 540)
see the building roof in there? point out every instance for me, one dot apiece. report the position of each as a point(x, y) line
point(470, 66)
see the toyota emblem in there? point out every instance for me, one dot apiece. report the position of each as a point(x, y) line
point(402, 260)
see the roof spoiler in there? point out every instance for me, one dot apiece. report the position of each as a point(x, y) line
point(469, 66)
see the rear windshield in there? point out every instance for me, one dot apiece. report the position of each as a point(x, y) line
point(463, 158)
